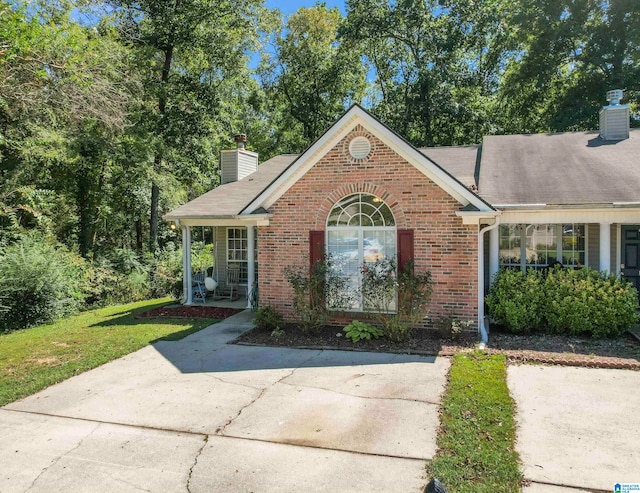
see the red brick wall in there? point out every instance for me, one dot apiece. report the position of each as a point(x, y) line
point(442, 244)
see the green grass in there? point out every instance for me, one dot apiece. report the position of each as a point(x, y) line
point(35, 358)
point(477, 430)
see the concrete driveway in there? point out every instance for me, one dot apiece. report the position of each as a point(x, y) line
point(578, 428)
point(201, 415)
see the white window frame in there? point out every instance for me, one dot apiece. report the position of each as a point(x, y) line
point(559, 255)
point(244, 264)
point(362, 232)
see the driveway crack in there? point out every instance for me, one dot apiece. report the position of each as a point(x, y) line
point(221, 430)
point(362, 396)
point(195, 462)
point(57, 459)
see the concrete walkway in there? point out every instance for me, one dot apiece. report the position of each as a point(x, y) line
point(578, 428)
point(201, 415)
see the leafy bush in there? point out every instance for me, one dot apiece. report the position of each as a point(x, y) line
point(357, 331)
point(39, 282)
point(586, 301)
point(166, 273)
point(317, 292)
point(397, 302)
point(268, 318)
point(517, 300)
point(564, 301)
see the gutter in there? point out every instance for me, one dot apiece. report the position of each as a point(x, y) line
point(482, 330)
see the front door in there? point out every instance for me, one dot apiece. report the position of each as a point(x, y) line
point(630, 255)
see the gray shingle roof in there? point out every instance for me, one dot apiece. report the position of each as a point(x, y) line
point(459, 161)
point(563, 168)
point(572, 168)
point(230, 199)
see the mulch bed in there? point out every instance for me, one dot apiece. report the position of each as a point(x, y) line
point(180, 311)
point(623, 353)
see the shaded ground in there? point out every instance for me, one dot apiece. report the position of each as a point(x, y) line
point(541, 348)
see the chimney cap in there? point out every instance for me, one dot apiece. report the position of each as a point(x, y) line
point(614, 96)
point(240, 138)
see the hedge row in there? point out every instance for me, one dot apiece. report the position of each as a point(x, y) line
point(562, 301)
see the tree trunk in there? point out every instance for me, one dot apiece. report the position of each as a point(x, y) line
point(157, 162)
point(139, 239)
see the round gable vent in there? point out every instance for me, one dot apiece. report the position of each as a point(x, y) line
point(359, 147)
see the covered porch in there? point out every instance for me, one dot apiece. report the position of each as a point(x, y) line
point(219, 261)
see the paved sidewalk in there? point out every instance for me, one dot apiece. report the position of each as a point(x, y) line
point(577, 427)
point(201, 415)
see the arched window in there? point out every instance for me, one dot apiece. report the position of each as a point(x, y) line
point(360, 229)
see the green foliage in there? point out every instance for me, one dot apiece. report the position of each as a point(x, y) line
point(589, 302)
point(166, 273)
point(357, 331)
point(312, 77)
point(397, 301)
point(39, 282)
point(277, 332)
point(476, 441)
point(317, 292)
point(517, 300)
point(268, 318)
point(565, 301)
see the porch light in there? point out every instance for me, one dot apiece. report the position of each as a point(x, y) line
point(377, 200)
point(173, 226)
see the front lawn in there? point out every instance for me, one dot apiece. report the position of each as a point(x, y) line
point(35, 358)
point(477, 431)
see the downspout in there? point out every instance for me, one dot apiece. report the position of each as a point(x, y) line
point(484, 335)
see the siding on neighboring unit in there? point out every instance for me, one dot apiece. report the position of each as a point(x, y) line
point(593, 246)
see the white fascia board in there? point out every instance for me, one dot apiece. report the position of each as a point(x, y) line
point(341, 129)
point(248, 220)
point(626, 215)
point(478, 217)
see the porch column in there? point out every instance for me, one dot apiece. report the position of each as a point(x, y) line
point(184, 265)
point(251, 271)
point(494, 252)
point(188, 270)
point(605, 246)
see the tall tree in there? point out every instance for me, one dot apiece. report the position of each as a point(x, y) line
point(569, 53)
point(190, 50)
point(435, 64)
point(311, 78)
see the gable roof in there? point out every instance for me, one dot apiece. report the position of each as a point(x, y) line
point(571, 168)
point(356, 115)
point(230, 199)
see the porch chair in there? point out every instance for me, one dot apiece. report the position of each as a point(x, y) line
point(233, 279)
point(198, 288)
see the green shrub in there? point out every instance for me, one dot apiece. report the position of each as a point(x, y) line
point(268, 318)
point(166, 273)
point(586, 301)
point(516, 300)
point(357, 331)
point(397, 302)
point(317, 293)
point(565, 301)
point(39, 282)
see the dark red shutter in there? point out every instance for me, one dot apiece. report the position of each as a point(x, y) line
point(405, 247)
point(316, 247)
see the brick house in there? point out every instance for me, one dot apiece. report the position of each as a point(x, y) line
point(361, 192)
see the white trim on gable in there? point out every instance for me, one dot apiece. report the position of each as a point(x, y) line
point(356, 115)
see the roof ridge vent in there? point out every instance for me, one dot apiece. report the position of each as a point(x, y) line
point(615, 96)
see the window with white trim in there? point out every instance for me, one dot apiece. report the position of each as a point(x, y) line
point(360, 229)
point(541, 245)
point(238, 252)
